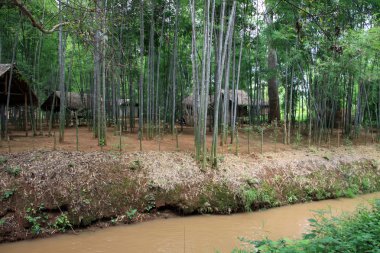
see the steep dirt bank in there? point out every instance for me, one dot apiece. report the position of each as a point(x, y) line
point(44, 192)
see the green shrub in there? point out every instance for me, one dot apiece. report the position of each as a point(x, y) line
point(7, 194)
point(3, 160)
point(135, 165)
point(359, 232)
point(34, 221)
point(13, 171)
point(249, 197)
point(150, 202)
point(62, 223)
point(131, 214)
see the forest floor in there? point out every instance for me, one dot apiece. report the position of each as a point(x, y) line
point(44, 192)
point(20, 142)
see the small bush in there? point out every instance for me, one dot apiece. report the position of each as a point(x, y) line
point(131, 214)
point(34, 220)
point(62, 223)
point(354, 233)
point(7, 194)
point(135, 165)
point(249, 197)
point(3, 160)
point(13, 171)
point(150, 202)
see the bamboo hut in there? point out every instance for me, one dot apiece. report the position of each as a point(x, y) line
point(242, 107)
point(74, 101)
point(77, 104)
point(16, 92)
point(125, 108)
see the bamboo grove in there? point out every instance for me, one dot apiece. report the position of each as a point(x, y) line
point(315, 62)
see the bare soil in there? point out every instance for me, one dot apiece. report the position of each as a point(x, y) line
point(20, 142)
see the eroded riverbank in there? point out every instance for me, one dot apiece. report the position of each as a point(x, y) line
point(45, 193)
point(199, 234)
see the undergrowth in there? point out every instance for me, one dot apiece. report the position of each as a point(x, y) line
point(358, 232)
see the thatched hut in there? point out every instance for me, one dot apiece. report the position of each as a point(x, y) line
point(241, 109)
point(74, 101)
point(125, 107)
point(77, 105)
point(18, 92)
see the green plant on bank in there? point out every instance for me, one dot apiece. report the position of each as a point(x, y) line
point(7, 194)
point(358, 232)
point(249, 197)
point(2, 221)
point(13, 171)
point(150, 201)
point(34, 221)
point(261, 197)
point(135, 165)
point(131, 214)
point(3, 160)
point(219, 198)
point(35, 218)
point(292, 198)
point(62, 223)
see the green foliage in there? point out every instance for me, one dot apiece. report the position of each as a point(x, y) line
point(135, 165)
point(150, 202)
point(220, 199)
point(249, 197)
point(3, 160)
point(131, 214)
point(13, 171)
point(62, 223)
point(34, 221)
point(36, 218)
point(349, 233)
point(102, 142)
point(7, 194)
point(351, 192)
point(2, 221)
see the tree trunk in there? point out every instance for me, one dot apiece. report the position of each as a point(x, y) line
point(274, 102)
point(62, 106)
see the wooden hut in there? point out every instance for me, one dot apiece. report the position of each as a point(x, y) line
point(74, 101)
point(125, 108)
point(77, 104)
point(17, 94)
point(241, 109)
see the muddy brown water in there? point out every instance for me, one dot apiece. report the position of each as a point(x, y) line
point(207, 233)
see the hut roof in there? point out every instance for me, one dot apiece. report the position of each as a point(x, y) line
point(242, 98)
point(189, 100)
point(19, 87)
point(74, 101)
point(125, 102)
